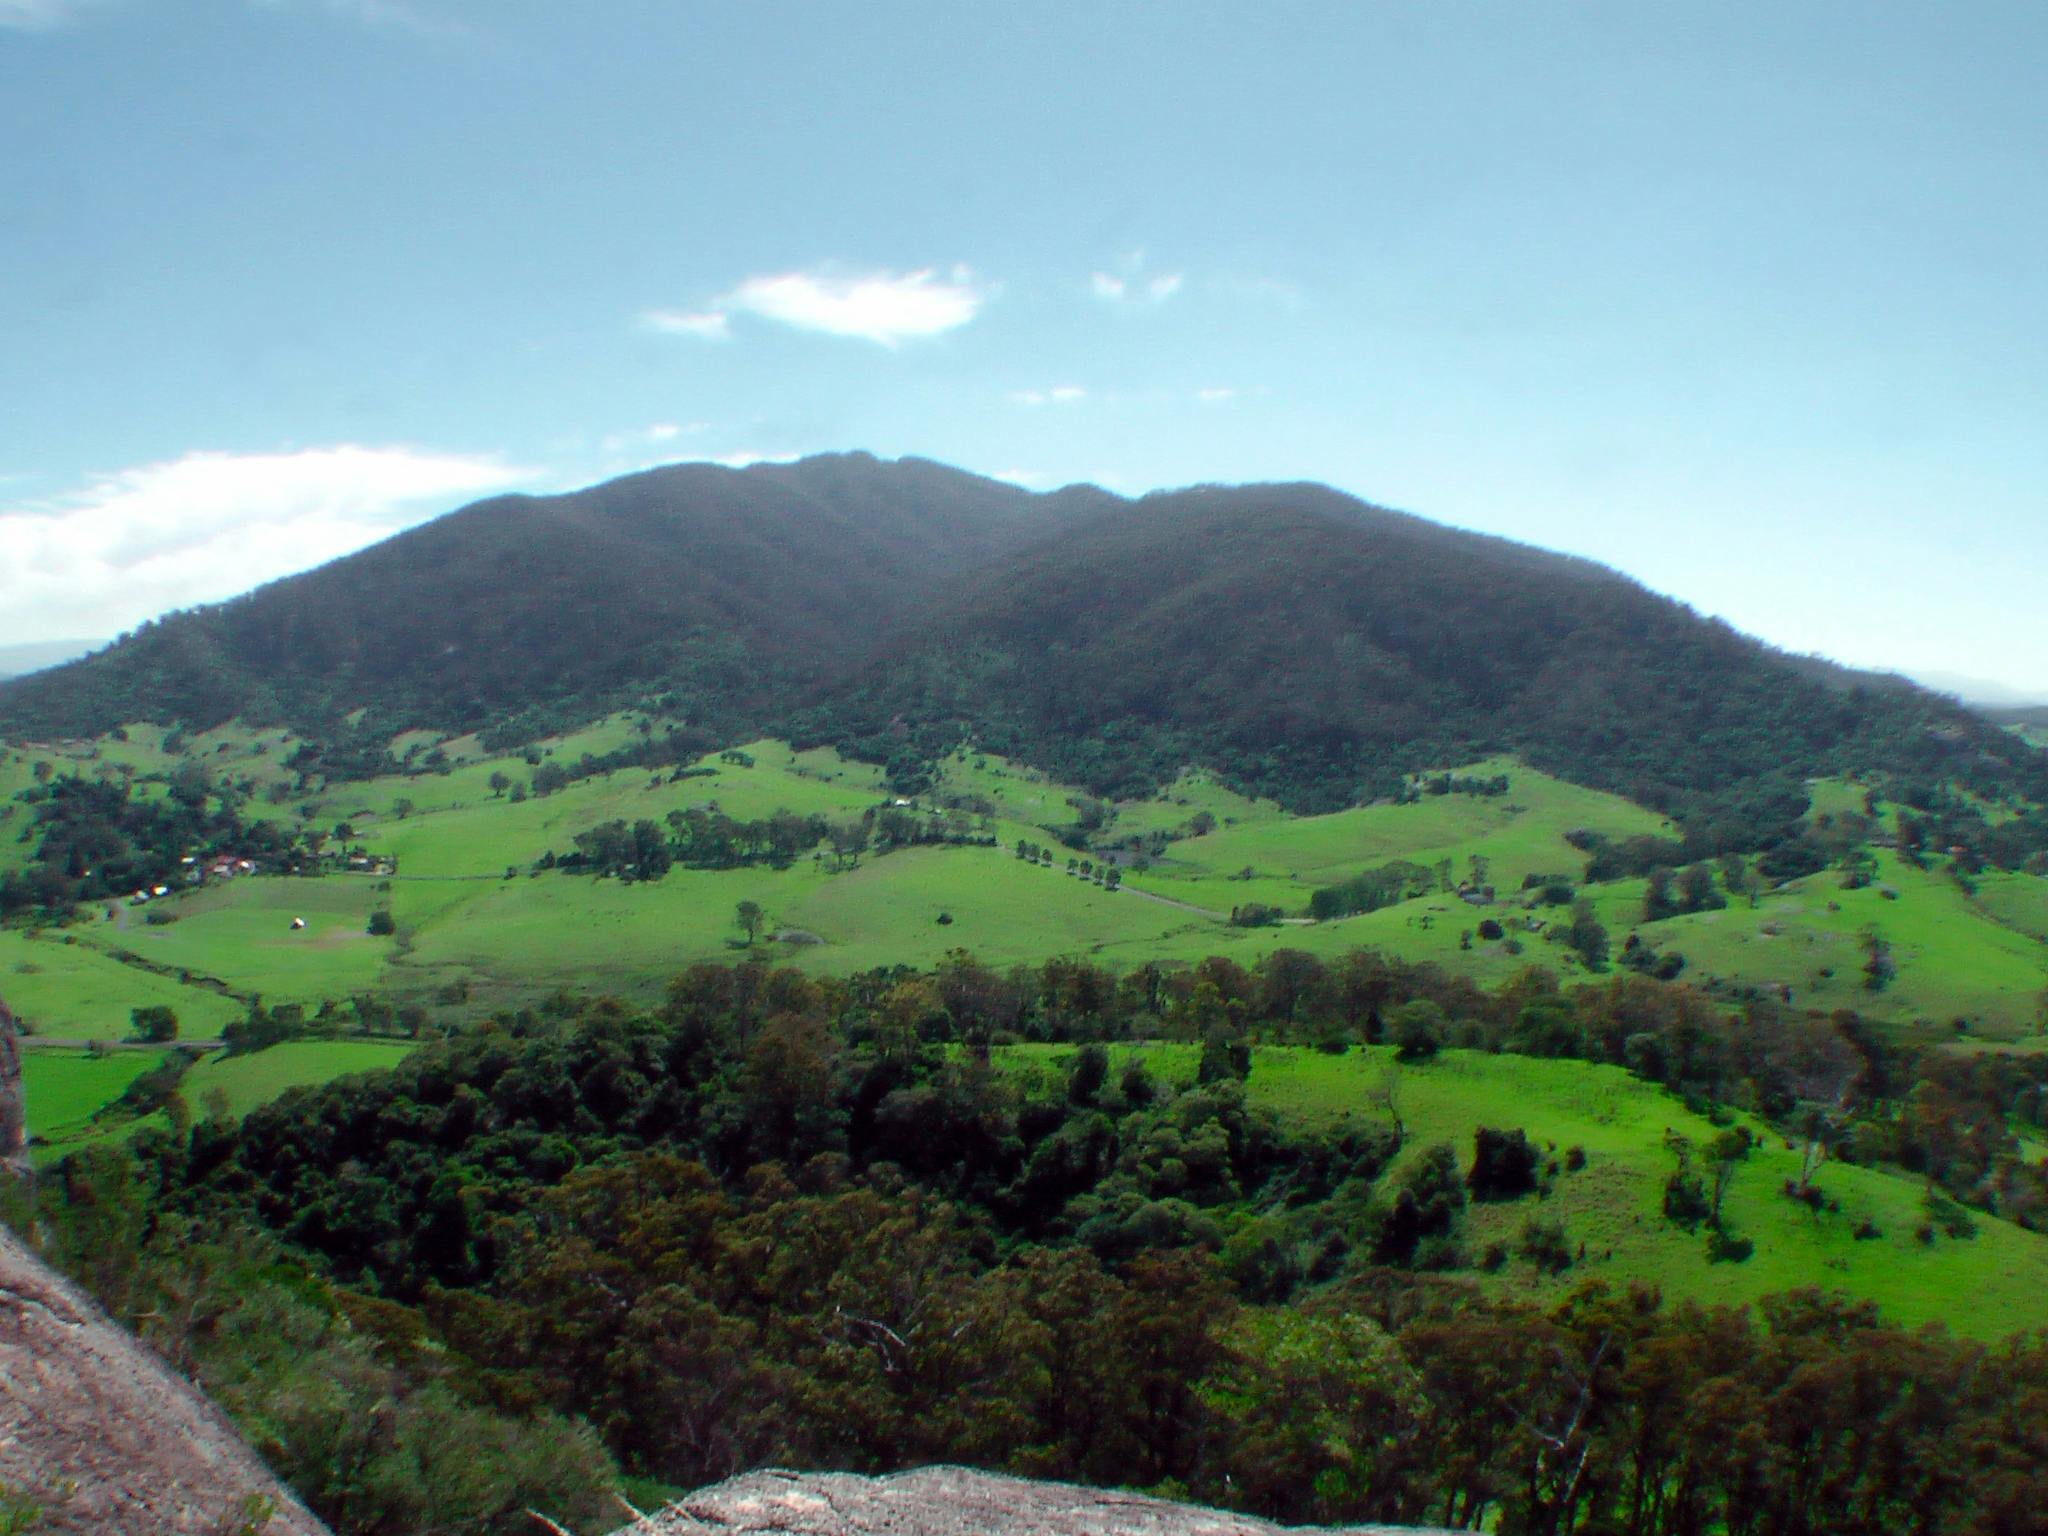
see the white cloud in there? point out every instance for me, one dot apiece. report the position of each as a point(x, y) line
point(1215, 396)
point(1108, 289)
point(747, 459)
point(1029, 479)
point(887, 308)
point(1059, 394)
point(210, 525)
point(707, 325)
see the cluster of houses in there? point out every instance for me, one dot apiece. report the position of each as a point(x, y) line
point(196, 873)
point(226, 867)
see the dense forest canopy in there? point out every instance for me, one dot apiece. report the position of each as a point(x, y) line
point(778, 1220)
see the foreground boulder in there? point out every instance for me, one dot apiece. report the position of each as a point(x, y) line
point(941, 1501)
point(100, 1436)
point(97, 1434)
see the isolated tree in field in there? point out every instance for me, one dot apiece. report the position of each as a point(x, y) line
point(156, 1025)
point(1658, 902)
point(1385, 1096)
point(382, 924)
point(1417, 1028)
point(1586, 936)
point(1504, 1164)
point(1729, 1150)
point(1738, 878)
point(402, 808)
point(1696, 891)
point(500, 782)
point(1878, 966)
point(749, 916)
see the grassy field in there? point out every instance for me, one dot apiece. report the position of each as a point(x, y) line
point(75, 991)
point(63, 1090)
point(1953, 958)
point(240, 931)
point(1281, 860)
point(234, 1085)
point(470, 912)
point(1985, 1286)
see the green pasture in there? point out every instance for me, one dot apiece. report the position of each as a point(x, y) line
point(1952, 960)
point(1518, 834)
point(1989, 1285)
point(240, 932)
point(461, 920)
point(457, 825)
point(75, 991)
point(2017, 901)
point(238, 1084)
point(63, 1090)
point(1002, 909)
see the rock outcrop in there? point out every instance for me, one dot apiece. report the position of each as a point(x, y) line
point(13, 1113)
point(941, 1501)
point(97, 1434)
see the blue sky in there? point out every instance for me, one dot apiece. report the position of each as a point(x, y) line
point(1746, 301)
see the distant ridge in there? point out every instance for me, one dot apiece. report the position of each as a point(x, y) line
point(1307, 644)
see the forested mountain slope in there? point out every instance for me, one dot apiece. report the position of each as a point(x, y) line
point(734, 588)
point(1315, 647)
point(1312, 647)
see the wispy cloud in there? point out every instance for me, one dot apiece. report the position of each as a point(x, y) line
point(1029, 479)
point(1130, 284)
point(705, 324)
point(654, 435)
point(388, 15)
point(209, 525)
point(39, 15)
point(884, 307)
point(1215, 396)
point(1059, 394)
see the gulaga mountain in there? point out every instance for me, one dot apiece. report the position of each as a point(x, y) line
point(1306, 644)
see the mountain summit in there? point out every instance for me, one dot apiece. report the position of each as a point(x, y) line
point(1307, 644)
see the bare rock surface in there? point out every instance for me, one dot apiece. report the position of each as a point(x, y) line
point(101, 1434)
point(941, 1501)
point(13, 1115)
